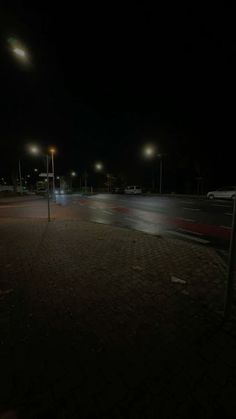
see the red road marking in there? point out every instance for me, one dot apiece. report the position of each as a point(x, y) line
point(205, 229)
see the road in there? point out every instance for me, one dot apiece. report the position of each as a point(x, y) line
point(198, 220)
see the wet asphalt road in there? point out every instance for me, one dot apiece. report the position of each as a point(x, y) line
point(199, 220)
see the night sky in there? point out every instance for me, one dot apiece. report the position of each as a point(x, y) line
point(103, 80)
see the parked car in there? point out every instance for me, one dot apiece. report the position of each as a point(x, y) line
point(133, 190)
point(222, 193)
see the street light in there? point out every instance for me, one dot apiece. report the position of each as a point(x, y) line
point(150, 152)
point(73, 174)
point(52, 151)
point(33, 149)
point(98, 166)
point(18, 50)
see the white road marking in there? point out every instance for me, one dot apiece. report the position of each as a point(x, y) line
point(108, 212)
point(187, 202)
point(227, 227)
point(185, 219)
point(228, 213)
point(93, 207)
point(221, 205)
point(191, 209)
point(187, 236)
point(190, 231)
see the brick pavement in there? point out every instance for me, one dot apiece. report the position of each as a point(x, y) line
point(93, 326)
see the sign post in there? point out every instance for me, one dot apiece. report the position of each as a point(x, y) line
point(48, 191)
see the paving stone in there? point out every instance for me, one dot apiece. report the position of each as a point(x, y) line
point(87, 334)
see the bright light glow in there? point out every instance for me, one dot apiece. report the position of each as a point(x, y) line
point(35, 170)
point(62, 191)
point(58, 177)
point(149, 151)
point(28, 176)
point(73, 174)
point(52, 150)
point(34, 149)
point(99, 166)
point(20, 52)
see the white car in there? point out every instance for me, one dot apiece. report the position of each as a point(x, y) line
point(133, 190)
point(222, 193)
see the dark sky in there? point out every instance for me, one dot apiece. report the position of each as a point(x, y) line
point(104, 80)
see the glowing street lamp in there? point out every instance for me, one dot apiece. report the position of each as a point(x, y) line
point(34, 149)
point(98, 166)
point(18, 50)
point(151, 152)
point(73, 174)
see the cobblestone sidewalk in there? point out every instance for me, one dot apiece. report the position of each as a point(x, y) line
point(105, 322)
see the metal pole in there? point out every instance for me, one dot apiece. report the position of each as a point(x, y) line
point(53, 175)
point(85, 182)
point(21, 190)
point(231, 267)
point(161, 174)
point(48, 192)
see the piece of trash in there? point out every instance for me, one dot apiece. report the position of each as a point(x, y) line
point(177, 280)
point(137, 268)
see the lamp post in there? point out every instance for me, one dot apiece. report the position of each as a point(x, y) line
point(19, 50)
point(150, 152)
point(73, 174)
point(160, 187)
point(35, 150)
point(20, 177)
point(98, 167)
point(52, 151)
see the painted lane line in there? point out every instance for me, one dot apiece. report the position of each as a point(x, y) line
point(221, 205)
point(107, 212)
point(185, 219)
point(191, 209)
point(228, 213)
point(227, 227)
point(190, 231)
point(187, 236)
